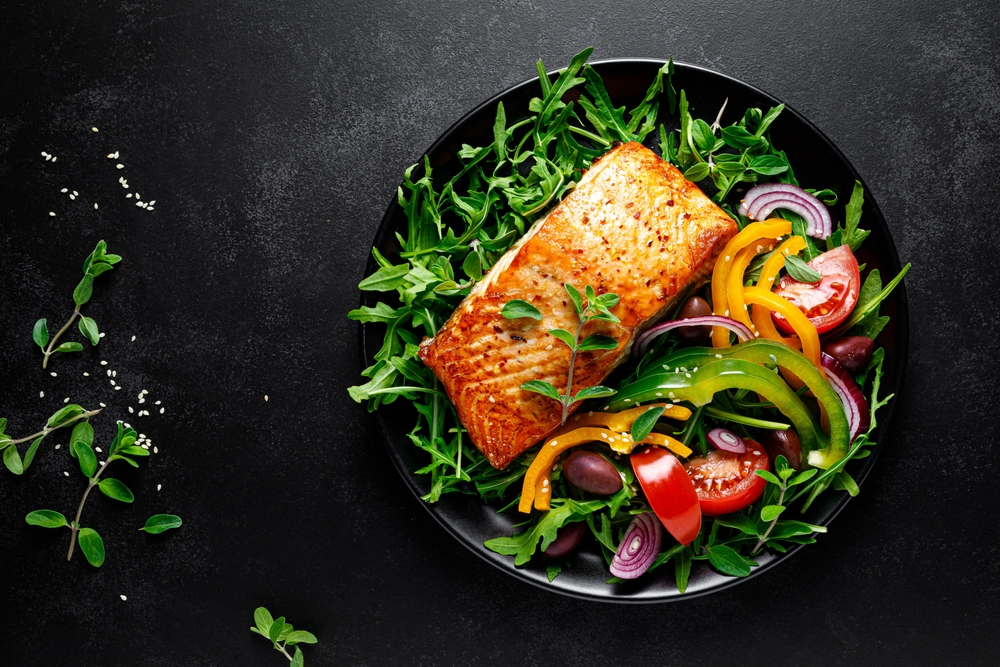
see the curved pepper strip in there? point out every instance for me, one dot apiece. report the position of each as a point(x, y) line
point(734, 284)
point(752, 233)
point(708, 375)
point(768, 274)
point(536, 489)
point(619, 421)
point(800, 323)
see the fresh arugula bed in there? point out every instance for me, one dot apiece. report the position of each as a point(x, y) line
point(457, 230)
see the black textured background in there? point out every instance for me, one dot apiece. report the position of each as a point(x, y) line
point(272, 136)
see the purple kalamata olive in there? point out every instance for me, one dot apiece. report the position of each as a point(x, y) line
point(853, 352)
point(567, 539)
point(783, 443)
point(694, 307)
point(591, 472)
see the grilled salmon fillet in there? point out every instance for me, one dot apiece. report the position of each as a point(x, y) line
point(633, 226)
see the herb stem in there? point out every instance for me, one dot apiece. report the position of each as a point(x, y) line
point(283, 651)
point(572, 362)
point(75, 528)
point(763, 538)
point(742, 419)
point(52, 343)
point(48, 429)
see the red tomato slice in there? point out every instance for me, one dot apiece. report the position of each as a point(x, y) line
point(669, 492)
point(828, 302)
point(726, 482)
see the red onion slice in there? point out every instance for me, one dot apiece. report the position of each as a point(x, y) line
point(644, 339)
point(639, 548)
point(858, 415)
point(760, 200)
point(726, 440)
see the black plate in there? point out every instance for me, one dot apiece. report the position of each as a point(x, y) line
point(817, 162)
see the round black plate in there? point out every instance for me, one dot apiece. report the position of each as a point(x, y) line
point(817, 163)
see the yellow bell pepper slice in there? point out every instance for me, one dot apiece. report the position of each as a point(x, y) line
point(768, 274)
point(619, 421)
point(800, 323)
point(734, 284)
point(536, 489)
point(752, 233)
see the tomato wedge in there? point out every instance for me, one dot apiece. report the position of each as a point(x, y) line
point(669, 491)
point(828, 302)
point(727, 482)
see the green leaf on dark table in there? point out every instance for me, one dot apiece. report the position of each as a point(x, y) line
point(29, 455)
point(262, 617)
point(88, 460)
point(46, 519)
point(159, 523)
point(12, 460)
point(84, 290)
point(69, 347)
point(40, 333)
point(113, 488)
point(92, 546)
point(88, 328)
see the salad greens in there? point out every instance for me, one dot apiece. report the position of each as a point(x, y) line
point(460, 224)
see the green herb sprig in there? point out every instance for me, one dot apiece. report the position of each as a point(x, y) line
point(96, 263)
point(282, 635)
point(123, 448)
point(66, 415)
point(596, 309)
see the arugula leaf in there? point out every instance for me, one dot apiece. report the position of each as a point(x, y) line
point(523, 545)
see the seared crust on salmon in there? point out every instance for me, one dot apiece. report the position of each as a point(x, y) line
point(633, 226)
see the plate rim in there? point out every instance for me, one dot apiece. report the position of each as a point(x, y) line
point(768, 559)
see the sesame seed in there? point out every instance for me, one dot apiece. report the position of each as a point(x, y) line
point(53, 373)
point(98, 450)
point(114, 374)
point(130, 410)
point(111, 156)
point(58, 446)
point(153, 201)
point(66, 400)
point(156, 451)
point(727, 258)
point(265, 399)
point(104, 363)
point(102, 405)
point(139, 204)
point(93, 129)
point(86, 374)
point(159, 486)
point(52, 214)
point(161, 410)
point(102, 335)
point(727, 313)
point(64, 190)
point(109, 372)
point(157, 403)
point(117, 388)
point(95, 204)
point(142, 400)
point(756, 453)
point(145, 391)
point(133, 337)
point(128, 196)
point(65, 473)
point(54, 158)
point(718, 356)
point(119, 166)
point(44, 153)
point(124, 598)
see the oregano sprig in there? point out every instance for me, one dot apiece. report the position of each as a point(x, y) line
point(785, 479)
point(96, 263)
point(282, 635)
point(66, 415)
point(123, 448)
point(597, 308)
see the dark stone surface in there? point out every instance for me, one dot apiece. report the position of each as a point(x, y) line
point(272, 136)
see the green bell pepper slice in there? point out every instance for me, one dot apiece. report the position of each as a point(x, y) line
point(716, 371)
